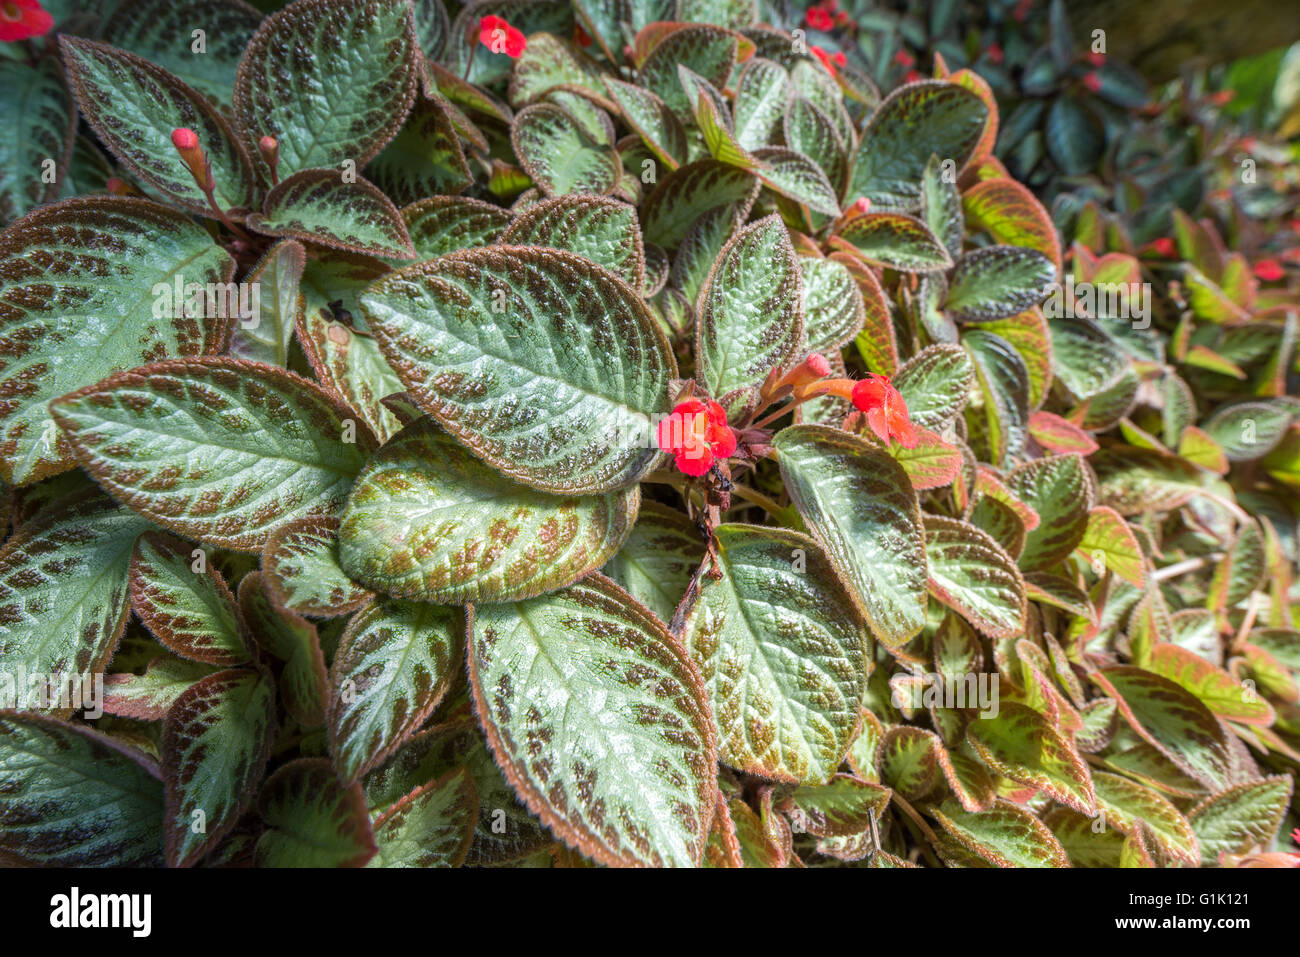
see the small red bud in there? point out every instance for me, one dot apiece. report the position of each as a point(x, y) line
point(186, 142)
point(1093, 82)
point(185, 139)
point(818, 365)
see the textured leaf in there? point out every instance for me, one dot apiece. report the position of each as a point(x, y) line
point(1248, 430)
point(842, 807)
point(996, 282)
point(317, 205)
point(931, 463)
point(601, 229)
point(1108, 541)
point(658, 559)
point(216, 740)
point(217, 449)
point(107, 254)
point(424, 159)
point(630, 755)
point(41, 124)
point(797, 177)
point(148, 697)
point(686, 196)
point(1240, 817)
point(705, 49)
point(811, 132)
point(1011, 214)
point(294, 641)
point(395, 662)
point(444, 224)
point(1060, 489)
point(559, 155)
point(1005, 835)
point(350, 363)
point(1055, 434)
point(331, 80)
point(972, 574)
point(134, 105)
point(63, 587)
point(529, 389)
point(1171, 720)
point(268, 335)
point(72, 797)
point(762, 93)
point(429, 521)
point(913, 122)
point(1125, 803)
point(430, 827)
point(648, 115)
point(895, 241)
point(832, 304)
point(782, 652)
point(1020, 743)
point(999, 428)
point(1220, 692)
point(935, 384)
point(301, 570)
point(860, 505)
point(189, 610)
point(750, 309)
point(312, 821)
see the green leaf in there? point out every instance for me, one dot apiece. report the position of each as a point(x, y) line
point(161, 31)
point(1171, 720)
point(529, 386)
point(623, 714)
point(430, 827)
point(797, 177)
point(559, 155)
point(311, 820)
point(930, 117)
point(148, 697)
point(1240, 817)
point(750, 309)
point(134, 105)
point(935, 384)
point(114, 258)
point(444, 224)
point(1060, 488)
point(832, 304)
point(424, 159)
point(267, 335)
point(1133, 481)
point(294, 641)
point(63, 587)
point(763, 92)
point(394, 663)
point(349, 363)
point(1011, 214)
point(41, 125)
point(1005, 835)
point(859, 503)
point(658, 559)
point(998, 418)
point(1085, 359)
point(217, 449)
point(843, 807)
point(1022, 744)
point(330, 80)
point(1075, 137)
point(301, 570)
point(705, 49)
point(1221, 692)
point(1125, 803)
point(649, 117)
point(215, 743)
point(941, 206)
point(185, 602)
point(895, 241)
point(688, 195)
point(319, 206)
point(73, 797)
point(782, 651)
point(996, 282)
point(1109, 542)
point(973, 575)
point(429, 521)
point(1249, 430)
point(549, 62)
point(601, 229)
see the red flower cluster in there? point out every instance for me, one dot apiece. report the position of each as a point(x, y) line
point(1269, 270)
point(819, 19)
point(697, 435)
point(500, 37)
point(885, 409)
point(903, 58)
point(21, 19)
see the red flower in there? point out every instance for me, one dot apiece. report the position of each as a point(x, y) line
point(697, 435)
point(20, 19)
point(1295, 835)
point(1269, 270)
point(500, 37)
point(912, 76)
point(885, 409)
point(995, 53)
point(580, 36)
point(903, 58)
point(1095, 58)
point(824, 58)
point(818, 19)
point(861, 205)
point(1163, 247)
point(839, 58)
point(1093, 82)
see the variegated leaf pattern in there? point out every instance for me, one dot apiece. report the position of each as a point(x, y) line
point(444, 224)
point(832, 304)
point(350, 363)
point(97, 320)
point(41, 127)
point(295, 643)
point(424, 159)
point(561, 156)
point(589, 672)
point(148, 697)
point(657, 125)
point(320, 206)
point(234, 448)
point(430, 827)
point(507, 348)
point(395, 661)
point(782, 652)
point(301, 570)
point(427, 520)
point(973, 574)
point(658, 559)
point(312, 820)
point(601, 229)
point(265, 332)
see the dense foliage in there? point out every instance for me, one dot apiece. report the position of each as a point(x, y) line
point(638, 432)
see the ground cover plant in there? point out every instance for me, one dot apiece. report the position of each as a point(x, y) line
point(638, 433)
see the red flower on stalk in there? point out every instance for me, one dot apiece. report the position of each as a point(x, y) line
point(1095, 58)
point(1093, 81)
point(500, 37)
point(885, 409)
point(697, 435)
point(903, 58)
point(819, 19)
point(824, 58)
point(1269, 270)
point(20, 19)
